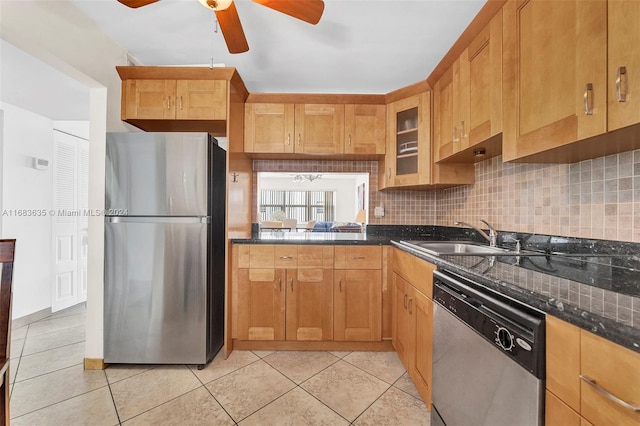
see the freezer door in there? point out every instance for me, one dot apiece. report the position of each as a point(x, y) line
point(156, 291)
point(157, 174)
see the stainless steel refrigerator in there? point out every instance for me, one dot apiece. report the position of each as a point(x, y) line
point(164, 248)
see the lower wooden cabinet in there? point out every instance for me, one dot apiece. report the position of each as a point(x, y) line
point(292, 304)
point(294, 293)
point(261, 304)
point(581, 369)
point(412, 322)
point(357, 305)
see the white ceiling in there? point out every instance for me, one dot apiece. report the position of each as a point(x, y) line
point(359, 46)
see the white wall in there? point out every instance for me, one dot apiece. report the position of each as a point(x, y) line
point(345, 188)
point(27, 135)
point(57, 33)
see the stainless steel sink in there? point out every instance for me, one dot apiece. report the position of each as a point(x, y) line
point(445, 248)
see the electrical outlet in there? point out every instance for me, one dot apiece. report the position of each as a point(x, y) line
point(378, 212)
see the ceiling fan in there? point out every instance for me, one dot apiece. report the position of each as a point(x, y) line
point(227, 15)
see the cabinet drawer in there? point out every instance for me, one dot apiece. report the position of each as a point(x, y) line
point(415, 270)
point(358, 257)
point(614, 369)
point(313, 256)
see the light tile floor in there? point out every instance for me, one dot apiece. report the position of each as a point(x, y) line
point(50, 386)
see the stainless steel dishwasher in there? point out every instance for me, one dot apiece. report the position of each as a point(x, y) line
point(488, 357)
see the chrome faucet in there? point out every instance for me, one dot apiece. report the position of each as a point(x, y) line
point(493, 234)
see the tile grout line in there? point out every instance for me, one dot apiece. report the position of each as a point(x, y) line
point(52, 348)
point(370, 405)
point(113, 400)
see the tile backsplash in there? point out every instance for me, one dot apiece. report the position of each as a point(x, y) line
point(597, 198)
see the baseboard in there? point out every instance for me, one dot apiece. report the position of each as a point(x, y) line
point(28, 319)
point(285, 345)
point(94, 364)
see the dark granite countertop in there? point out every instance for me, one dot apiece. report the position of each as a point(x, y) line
point(593, 284)
point(568, 300)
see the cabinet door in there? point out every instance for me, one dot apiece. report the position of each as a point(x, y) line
point(446, 98)
point(319, 129)
point(201, 100)
point(481, 86)
point(403, 339)
point(553, 51)
point(261, 304)
point(557, 413)
point(364, 129)
point(269, 128)
point(309, 304)
point(358, 306)
point(563, 361)
point(149, 99)
point(409, 132)
point(386, 167)
point(421, 309)
point(624, 63)
point(612, 369)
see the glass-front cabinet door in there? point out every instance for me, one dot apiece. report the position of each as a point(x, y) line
point(409, 141)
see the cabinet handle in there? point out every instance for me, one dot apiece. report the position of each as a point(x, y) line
point(455, 132)
point(180, 101)
point(280, 284)
point(357, 257)
point(286, 257)
point(299, 139)
point(601, 391)
point(405, 300)
point(349, 140)
point(288, 138)
point(410, 302)
point(292, 284)
point(168, 102)
point(621, 86)
point(462, 134)
point(389, 175)
point(340, 285)
point(588, 99)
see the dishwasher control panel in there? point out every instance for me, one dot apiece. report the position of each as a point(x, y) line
point(510, 326)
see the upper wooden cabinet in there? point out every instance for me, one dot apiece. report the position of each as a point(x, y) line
point(554, 74)
point(175, 100)
point(179, 99)
point(408, 162)
point(467, 108)
point(314, 128)
point(364, 129)
point(623, 63)
point(409, 142)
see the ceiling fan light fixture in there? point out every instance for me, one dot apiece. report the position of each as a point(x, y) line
point(216, 4)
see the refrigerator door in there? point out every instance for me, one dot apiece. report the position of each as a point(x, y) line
point(156, 290)
point(157, 174)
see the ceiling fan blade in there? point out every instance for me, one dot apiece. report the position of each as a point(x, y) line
point(306, 10)
point(232, 29)
point(136, 3)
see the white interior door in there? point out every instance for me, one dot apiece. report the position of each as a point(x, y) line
point(65, 221)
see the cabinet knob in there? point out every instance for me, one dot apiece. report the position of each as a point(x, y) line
point(588, 99)
point(621, 84)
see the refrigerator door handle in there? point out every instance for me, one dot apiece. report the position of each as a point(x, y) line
point(163, 219)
